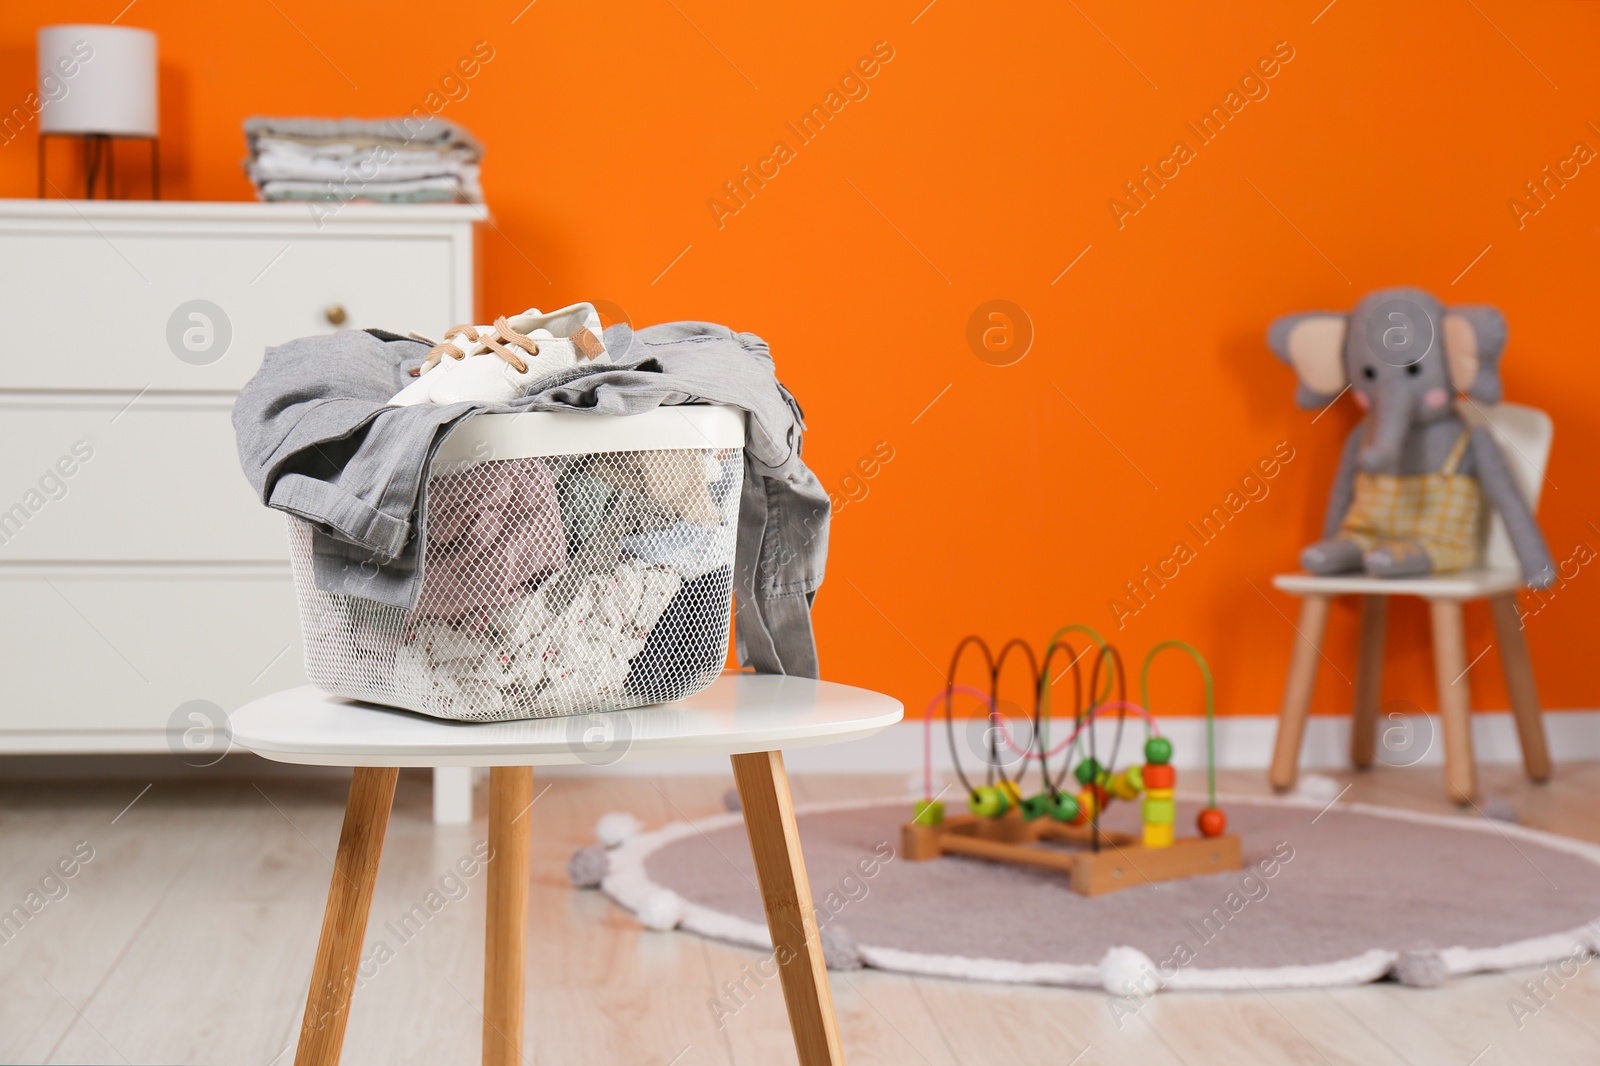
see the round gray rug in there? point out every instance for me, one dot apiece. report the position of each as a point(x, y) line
point(1327, 896)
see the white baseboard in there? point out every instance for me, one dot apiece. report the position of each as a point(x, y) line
point(1244, 742)
point(85, 742)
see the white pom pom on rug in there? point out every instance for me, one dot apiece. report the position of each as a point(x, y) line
point(661, 910)
point(614, 828)
point(1128, 971)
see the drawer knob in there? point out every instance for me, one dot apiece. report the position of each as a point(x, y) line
point(335, 314)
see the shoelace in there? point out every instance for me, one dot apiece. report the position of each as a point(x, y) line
point(496, 342)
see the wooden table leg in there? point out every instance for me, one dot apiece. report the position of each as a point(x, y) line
point(1369, 680)
point(1297, 692)
point(1455, 702)
point(786, 895)
point(1524, 693)
point(505, 943)
point(344, 921)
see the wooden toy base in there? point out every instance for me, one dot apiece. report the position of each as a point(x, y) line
point(1122, 861)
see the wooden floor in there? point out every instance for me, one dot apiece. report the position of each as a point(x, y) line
point(188, 938)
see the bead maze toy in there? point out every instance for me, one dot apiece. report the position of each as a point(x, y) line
point(1007, 825)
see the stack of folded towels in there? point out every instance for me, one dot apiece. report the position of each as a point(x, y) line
point(400, 160)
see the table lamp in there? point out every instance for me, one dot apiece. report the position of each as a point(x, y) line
point(98, 83)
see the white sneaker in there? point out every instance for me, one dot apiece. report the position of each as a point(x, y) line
point(508, 359)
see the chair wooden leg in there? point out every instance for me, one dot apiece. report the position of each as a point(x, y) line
point(1369, 680)
point(344, 920)
point(786, 895)
point(1297, 692)
point(1455, 703)
point(505, 943)
point(1524, 693)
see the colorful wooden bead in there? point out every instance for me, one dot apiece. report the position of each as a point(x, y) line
point(1090, 803)
point(1157, 750)
point(1088, 770)
point(929, 812)
point(1013, 792)
point(1065, 808)
point(1136, 778)
point(1036, 806)
point(1158, 793)
point(1160, 812)
point(1160, 775)
point(987, 801)
point(1158, 836)
point(1122, 788)
point(1212, 822)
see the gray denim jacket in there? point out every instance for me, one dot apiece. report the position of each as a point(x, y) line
point(317, 438)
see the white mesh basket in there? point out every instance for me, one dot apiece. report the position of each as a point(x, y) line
point(573, 563)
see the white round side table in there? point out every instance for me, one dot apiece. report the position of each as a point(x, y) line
point(747, 717)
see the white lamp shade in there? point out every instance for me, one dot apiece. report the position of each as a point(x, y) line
point(97, 79)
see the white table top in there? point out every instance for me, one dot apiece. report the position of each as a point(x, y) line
point(737, 714)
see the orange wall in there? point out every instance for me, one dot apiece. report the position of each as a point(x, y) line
point(978, 167)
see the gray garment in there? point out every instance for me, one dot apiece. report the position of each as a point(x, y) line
point(406, 130)
point(317, 439)
point(433, 191)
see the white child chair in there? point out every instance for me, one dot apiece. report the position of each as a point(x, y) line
point(1524, 436)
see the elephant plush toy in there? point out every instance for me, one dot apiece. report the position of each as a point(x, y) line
point(1407, 498)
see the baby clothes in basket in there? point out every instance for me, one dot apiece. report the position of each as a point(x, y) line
point(494, 532)
point(681, 651)
point(680, 480)
point(708, 500)
point(622, 573)
point(534, 658)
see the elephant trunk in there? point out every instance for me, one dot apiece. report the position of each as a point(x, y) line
point(1388, 425)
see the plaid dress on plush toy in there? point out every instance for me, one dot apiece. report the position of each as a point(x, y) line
point(1437, 513)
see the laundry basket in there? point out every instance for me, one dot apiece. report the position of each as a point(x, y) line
point(572, 563)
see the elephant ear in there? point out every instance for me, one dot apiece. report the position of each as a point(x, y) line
point(1474, 337)
point(1312, 344)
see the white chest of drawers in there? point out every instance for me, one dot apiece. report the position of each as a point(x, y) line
point(137, 570)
